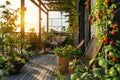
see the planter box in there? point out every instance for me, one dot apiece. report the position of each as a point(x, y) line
point(62, 64)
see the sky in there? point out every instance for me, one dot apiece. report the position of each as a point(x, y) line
point(32, 16)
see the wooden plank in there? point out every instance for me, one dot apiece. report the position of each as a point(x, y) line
point(43, 4)
point(40, 68)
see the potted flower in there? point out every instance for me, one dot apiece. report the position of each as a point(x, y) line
point(64, 56)
point(61, 59)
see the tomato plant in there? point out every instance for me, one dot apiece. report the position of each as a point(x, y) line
point(102, 17)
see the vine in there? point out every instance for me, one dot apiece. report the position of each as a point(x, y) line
point(102, 17)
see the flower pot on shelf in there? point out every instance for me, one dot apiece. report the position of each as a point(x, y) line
point(62, 64)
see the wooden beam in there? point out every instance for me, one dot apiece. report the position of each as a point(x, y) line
point(38, 6)
point(43, 4)
point(22, 17)
point(57, 9)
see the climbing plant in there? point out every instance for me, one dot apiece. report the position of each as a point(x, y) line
point(102, 17)
point(68, 6)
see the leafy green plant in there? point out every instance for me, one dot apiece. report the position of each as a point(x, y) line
point(68, 51)
point(33, 39)
point(13, 45)
point(59, 76)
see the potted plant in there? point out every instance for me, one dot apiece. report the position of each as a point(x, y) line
point(61, 59)
point(64, 56)
point(13, 46)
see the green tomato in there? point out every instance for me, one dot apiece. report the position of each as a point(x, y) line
point(77, 78)
point(117, 67)
point(106, 50)
point(116, 78)
point(74, 76)
point(111, 54)
point(102, 62)
point(108, 79)
point(112, 71)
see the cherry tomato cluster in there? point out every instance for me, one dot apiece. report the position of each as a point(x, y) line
point(113, 29)
point(109, 56)
point(92, 19)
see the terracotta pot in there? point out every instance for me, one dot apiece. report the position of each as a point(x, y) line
point(62, 64)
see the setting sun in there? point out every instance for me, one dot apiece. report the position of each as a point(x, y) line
point(31, 15)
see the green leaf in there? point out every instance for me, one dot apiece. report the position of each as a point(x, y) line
point(79, 68)
point(113, 6)
point(84, 74)
point(97, 72)
point(93, 61)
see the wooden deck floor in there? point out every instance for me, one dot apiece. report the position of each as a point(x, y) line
point(40, 68)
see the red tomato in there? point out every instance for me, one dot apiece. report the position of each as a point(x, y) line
point(106, 39)
point(90, 17)
point(94, 19)
point(107, 1)
point(111, 42)
point(102, 41)
point(108, 55)
point(104, 11)
point(115, 26)
point(99, 16)
point(112, 10)
point(114, 59)
point(113, 32)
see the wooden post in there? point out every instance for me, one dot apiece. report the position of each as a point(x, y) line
point(87, 27)
point(81, 23)
point(40, 22)
point(22, 17)
point(47, 21)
